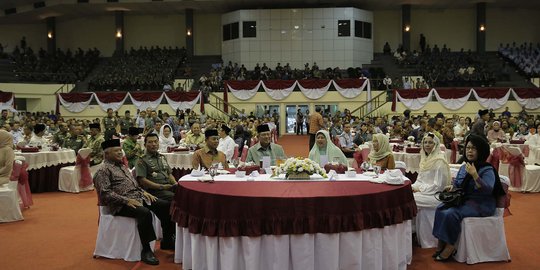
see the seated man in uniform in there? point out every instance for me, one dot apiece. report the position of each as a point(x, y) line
point(75, 140)
point(131, 147)
point(119, 191)
point(265, 147)
point(209, 154)
point(94, 142)
point(153, 172)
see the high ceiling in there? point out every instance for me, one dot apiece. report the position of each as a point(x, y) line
point(68, 9)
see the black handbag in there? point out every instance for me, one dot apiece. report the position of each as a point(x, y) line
point(451, 198)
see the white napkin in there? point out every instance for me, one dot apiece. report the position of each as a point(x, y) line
point(394, 177)
point(198, 172)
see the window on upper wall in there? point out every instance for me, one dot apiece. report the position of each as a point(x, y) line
point(226, 32)
point(235, 30)
point(249, 29)
point(362, 29)
point(344, 28)
point(231, 31)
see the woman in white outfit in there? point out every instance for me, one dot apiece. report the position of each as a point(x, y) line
point(166, 138)
point(434, 174)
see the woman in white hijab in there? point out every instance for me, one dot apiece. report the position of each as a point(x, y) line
point(6, 156)
point(166, 138)
point(434, 174)
point(381, 154)
point(325, 147)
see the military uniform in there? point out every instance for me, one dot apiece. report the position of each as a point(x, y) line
point(155, 168)
point(110, 123)
point(133, 151)
point(125, 124)
point(60, 137)
point(97, 152)
point(74, 142)
point(197, 140)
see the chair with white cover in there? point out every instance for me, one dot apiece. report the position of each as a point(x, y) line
point(10, 209)
point(118, 237)
point(401, 166)
point(244, 153)
point(69, 178)
point(531, 179)
point(425, 219)
point(512, 164)
point(482, 239)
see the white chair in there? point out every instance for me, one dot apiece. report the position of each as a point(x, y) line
point(531, 179)
point(118, 237)
point(424, 227)
point(482, 239)
point(70, 176)
point(10, 209)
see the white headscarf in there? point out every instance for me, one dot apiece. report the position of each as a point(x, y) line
point(384, 148)
point(427, 161)
point(332, 151)
point(166, 141)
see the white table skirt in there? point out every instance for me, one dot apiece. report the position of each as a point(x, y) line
point(179, 160)
point(42, 159)
point(412, 160)
point(387, 248)
point(534, 155)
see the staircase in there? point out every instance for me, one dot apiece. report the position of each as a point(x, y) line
point(495, 62)
point(6, 71)
point(371, 106)
point(199, 65)
point(82, 86)
point(219, 104)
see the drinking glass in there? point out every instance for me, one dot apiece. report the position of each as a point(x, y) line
point(376, 170)
point(365, 166)
point(212, 171)
point(235, 162)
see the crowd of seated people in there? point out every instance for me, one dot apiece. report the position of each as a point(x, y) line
point(213, 80)
point(442, 67)
point(60, 66)
point(138, 69)
point(526, 57)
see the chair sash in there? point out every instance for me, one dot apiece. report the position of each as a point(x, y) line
point(494, 158)
point(244, 154)
point(235, 154)
point(516, 164)
point(361, 156)
point(84, 167)
point(20, 174)
point(455, 149)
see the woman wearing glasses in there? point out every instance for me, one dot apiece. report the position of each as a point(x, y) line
point(481, 185)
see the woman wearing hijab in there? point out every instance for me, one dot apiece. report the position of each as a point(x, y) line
point(434, 174)
point(325, 146)
point(481, 185)
point(6, 156)
point(166, 138)
point(381, 154)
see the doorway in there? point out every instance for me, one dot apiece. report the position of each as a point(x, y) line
point(291, 115)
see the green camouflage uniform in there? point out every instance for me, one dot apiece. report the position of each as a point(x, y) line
point(109, 125)
point(74, 143)
point(133, 151)
point(60, 137)
point(94, 142)
point(125, 124)
point(155, 168)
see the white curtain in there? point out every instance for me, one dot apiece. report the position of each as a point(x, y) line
point(244, 94)
point(529, 103)
point(182, 105)
point(75, 107)
point(143, 105)
point(452, 103)
point(416, 103)
point(115, 106)
point(8, 105)
point(492, 103)
point(314, 93)
point(351, 92)
point(279, 94)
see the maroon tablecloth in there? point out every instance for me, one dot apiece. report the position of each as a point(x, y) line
point(45, 179)
point(263, 208)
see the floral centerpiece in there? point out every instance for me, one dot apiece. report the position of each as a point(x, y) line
point(300, 168)
point(411, 140)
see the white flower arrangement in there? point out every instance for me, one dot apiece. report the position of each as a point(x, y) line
point(410, 138)
point(300, 165)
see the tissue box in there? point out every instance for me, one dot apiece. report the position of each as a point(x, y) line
point(249, 169)
point(412, 150)
point(29, 149)
point(396, 141)
point(517, 142)
point(339, 168)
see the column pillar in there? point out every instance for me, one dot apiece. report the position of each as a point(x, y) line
point(120, 34)
point(406, 26)
point(189, 32)
point(480, 27)
point(51, 34)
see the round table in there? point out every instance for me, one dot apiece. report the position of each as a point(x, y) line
point(44, 167)
point(312, 224)
point(180, 162)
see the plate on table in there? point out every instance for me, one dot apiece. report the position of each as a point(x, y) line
point(369, 174)
point(197, 173)
point(377, 180)
point(223, 172)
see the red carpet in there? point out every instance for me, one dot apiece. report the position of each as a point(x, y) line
point(59, 232)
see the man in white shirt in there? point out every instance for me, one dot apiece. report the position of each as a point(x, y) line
point(461, 128)
point(226, 143)
point(16, 131)
point(37, 139)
